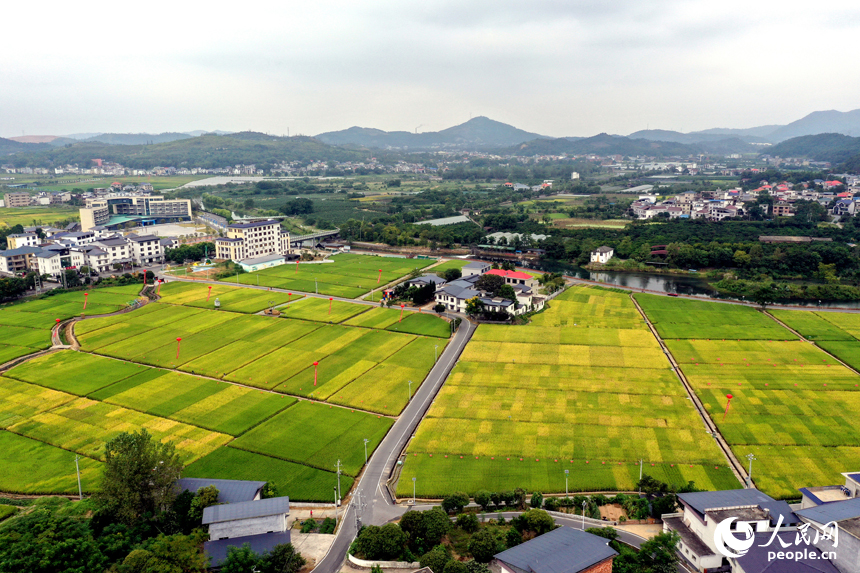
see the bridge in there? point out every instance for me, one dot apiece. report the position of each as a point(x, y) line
point(299, 239)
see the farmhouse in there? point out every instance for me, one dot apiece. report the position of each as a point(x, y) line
point(515, 278)
point(476, 268)
point(425, 280)
point(455, 294)
point(602, 254)
point(703, 511)
point(261, 523)
point(563, 550)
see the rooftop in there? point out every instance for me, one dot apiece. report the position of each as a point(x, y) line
point(20, 251)
point(263, 259)
point(254, 224)
point(263, 543)
point(702, 501)
point(689, 538)
point(509, 274)
point(229, 490)
point(246, 510)
point(757, 560)
point(562, 550)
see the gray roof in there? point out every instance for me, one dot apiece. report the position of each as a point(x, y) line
point(229, 490)
point(254, 224)
point(477, 265)
point(142, 238)
point(459, 289)
point(701, 501)
point(604, 249)
point(21, 235)
point(47, 254)
point(246, 510)
point(834, 511)
point(263, 259)
point(562, 550)
point(445, 221)
point(263, 543)
point(757, 560)
point(428, 279)
point(113, 242)
point(777, 508)
point(20, 251)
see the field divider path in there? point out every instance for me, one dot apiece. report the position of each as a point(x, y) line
point(800, 336)
point(735, 465)
point(240, 385)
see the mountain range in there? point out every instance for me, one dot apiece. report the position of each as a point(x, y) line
point(477, 133)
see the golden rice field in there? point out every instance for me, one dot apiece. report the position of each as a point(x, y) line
point(584, 387)
point(792, 404)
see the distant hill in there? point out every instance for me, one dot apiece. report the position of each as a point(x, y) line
point(832, 147)
point(693, 137)
point(817, 122)
point(604, 144)
point(846, 123)
point(10, 146)
point(197, 132)
point(136, 138)
point(34, 138)
point(477, 133)
point(207, 151)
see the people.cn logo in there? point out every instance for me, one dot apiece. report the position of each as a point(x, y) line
point(730, 545)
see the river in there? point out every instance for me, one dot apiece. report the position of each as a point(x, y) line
point(676, 284)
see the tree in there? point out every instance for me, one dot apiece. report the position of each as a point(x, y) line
point(474, 306)
point(451, 274)
point(139, 476)
point(436, 559)
point(455, 502)
point(484, 544)
point(72, 279)
point(468, 522)
point(658, 554)
point(205, 497)
point(538, 520)
point(436, 525)
point(168, 554)
point(439, 308)
point(282, 559)
point(537, 500)
point(490, 283)
point(385, 543)
point(40, 542)
point(483, 498)
point(240, 560)
point(513, 537)
point(454, 566)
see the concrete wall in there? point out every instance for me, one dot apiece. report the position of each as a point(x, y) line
point(847, 551)
point(242, 527)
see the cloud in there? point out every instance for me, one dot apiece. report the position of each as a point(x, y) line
point(572, 67)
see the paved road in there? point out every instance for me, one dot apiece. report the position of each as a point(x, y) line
point(380, 508)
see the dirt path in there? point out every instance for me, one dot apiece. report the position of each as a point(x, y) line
point(735, 465)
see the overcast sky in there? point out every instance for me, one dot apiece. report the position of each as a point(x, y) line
point(560, 67)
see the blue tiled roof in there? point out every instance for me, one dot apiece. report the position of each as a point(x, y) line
point(704, 500)
point(562, 550)
point(835, 511)
point(229, 490)
point(263, 543)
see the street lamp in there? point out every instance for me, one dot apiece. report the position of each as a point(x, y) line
point(413, 490)
point(365, 449)
point(584, 503)
point(750, 457)
point(335, 507)
point(566, 473)
point(436, 352)
point(410, 392)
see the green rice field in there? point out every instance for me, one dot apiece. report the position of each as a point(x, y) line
point(88, 399)
point(347, 276)
point(233, 299)
point(584, 387)
point(26, 325)
point(791, 402)
point(837, 333)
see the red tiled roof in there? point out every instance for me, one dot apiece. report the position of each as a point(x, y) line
point(509, 274)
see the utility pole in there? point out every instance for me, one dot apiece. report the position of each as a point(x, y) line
point(566, 473)
point(640, 477)
point(78, 471)
point(750, 457)
point(338, 482)
point(584, 503)
point(413, 490)
point(409, 398)
point(335, 507)
point(365, 449)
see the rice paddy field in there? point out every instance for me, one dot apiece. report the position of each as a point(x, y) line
point(233, 299)
point(45, 420)
point(357, 366)
point(39, 216)
point(26, 325)
point(837, 333)
point(347, 275)
point(585, 387)
point(793, 405)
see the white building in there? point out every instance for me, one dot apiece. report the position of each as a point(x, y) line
point(261, 524)
point(48, 263)
point(146, 249)
point(602, 254)
point(22, 240)
point(253, 240)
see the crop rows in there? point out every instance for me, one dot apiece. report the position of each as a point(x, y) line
point(791, 403)
point(573, 389)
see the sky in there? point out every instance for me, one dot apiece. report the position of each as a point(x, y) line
point(554, 67)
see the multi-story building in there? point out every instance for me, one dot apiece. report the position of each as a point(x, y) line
point(146, 249)
point(252, 240)
point(48, 263)
point(17, 260)
point(117, 248)
point(22, 240)
point(17, 199)
point(115, 210)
